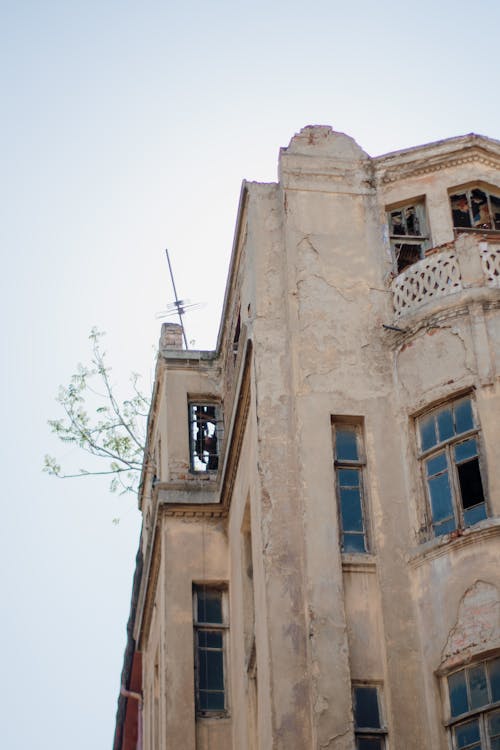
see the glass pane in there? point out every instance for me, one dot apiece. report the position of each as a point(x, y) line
point(350, 508)
point(369, 743)
point(440, 492)
point(353, 543)
point(463, 416)
point(445, 527)
point(436, 464)
point(480, 211)
point(397, 223)
point(412, 222)
point(210, 638)
point(471, 488)
point(458, 693)
point(475, 514)
point(427, 433)
point(495, 207)
point(460, 210)
point(468, 449)
point(495, 743)
point(494, 724)
point(494, 675)
point(211, 675)
point(209, 605)
point(477, 687)
point(366, 713)
point(445, 424)
point(211, 701)
point(348, 477)
point(346, 447)
point(467, 735)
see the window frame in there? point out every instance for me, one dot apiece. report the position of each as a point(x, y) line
point(200, 626)
point(356, 426)
point(479, 714)
point(421, 241)
point(447, 447)
point(196, 463)
point(368, 732)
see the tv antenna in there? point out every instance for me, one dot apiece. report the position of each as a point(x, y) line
point(180, 306)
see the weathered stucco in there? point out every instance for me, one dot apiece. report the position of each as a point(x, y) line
point(310, 334)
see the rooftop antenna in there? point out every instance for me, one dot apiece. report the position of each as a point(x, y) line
point(178, 307)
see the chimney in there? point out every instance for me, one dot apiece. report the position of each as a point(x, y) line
point(171, 336)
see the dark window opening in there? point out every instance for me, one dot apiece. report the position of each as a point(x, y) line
point(408, 222)
point(205, 428)
point(370, 733)
point(475, 209)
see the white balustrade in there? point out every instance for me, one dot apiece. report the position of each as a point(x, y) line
point(435, 276)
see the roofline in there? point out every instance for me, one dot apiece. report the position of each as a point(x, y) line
point(467, 140)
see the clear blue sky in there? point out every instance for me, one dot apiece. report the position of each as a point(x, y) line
point(127, 127)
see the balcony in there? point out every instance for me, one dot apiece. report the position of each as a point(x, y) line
point(470, 261)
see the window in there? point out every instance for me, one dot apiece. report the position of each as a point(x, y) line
point(369, 730)
point(408, 234)
point(450, 459)
point(210, 630)
point(205, 433)
point(475, 208)
point(474, 694)
point(349, 462)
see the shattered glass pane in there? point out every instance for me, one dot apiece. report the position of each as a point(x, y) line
point(412, 222)
point(397, 223)
point(480, 211)
point(460, 210)
point(495, 207)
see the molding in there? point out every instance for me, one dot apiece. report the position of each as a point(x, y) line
point(469, 154)
point(146, 615)
point(449, 543)
point(359, 563)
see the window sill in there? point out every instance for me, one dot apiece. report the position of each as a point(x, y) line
point(442, 545)
point(359, 562)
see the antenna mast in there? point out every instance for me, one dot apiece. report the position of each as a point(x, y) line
point(177, 303)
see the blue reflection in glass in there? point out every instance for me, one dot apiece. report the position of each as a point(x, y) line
point(441, 503)
point(463, 416)
point(477, 687)
point(353, 543)
point(458, 693)
point(428, 432)
point(350, 506)
point(464, 450)
point(346, 447)
point(475, 514)
point(466, 734)
point(445, 424)
point(436, 464)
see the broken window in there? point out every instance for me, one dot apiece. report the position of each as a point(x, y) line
point(369, 729)
point(474, 695)
point(349, 463)
point(475, 208)
point(205, 433)
point(449, 448)
point(210, 614)
point(408, 234)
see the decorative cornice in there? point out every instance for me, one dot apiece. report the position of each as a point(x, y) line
point(428, 164)
point(451, 543)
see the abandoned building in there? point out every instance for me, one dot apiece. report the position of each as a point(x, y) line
point(319, 558)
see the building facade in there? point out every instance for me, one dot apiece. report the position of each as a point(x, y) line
point(319, 559)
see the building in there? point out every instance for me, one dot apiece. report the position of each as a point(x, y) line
point(319, 560)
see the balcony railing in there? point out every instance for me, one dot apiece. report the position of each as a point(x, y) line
point(468, 262)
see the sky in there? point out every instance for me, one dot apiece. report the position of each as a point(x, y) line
point(127, 128)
